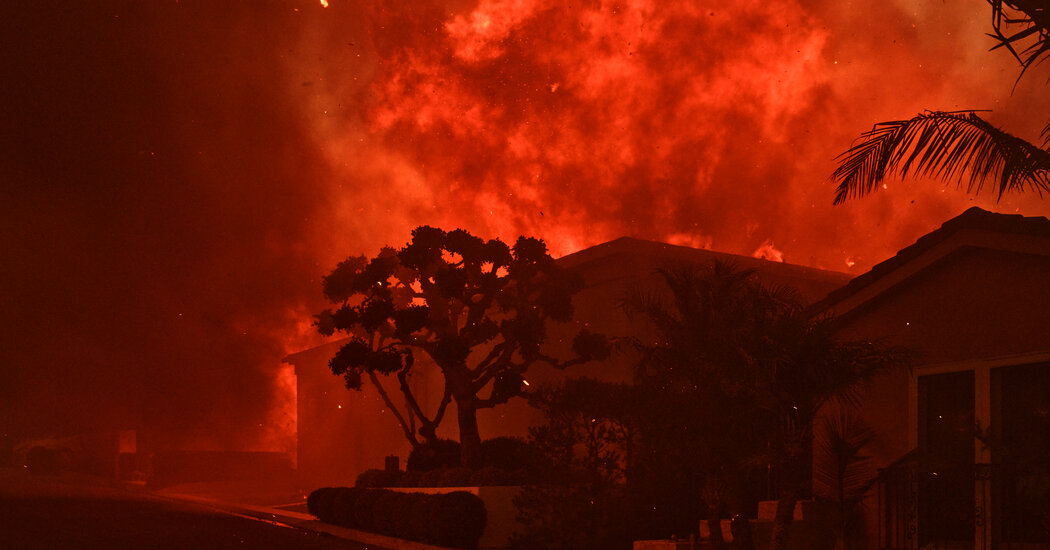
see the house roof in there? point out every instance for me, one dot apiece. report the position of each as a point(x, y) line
point(627, 258)
point(974, 228)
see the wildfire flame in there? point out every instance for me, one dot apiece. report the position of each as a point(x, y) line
point(655, 120)
point(768, 252)
point(706, 124)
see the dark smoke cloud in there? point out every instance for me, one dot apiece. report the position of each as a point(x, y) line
point(157, 198)
point(176, 177)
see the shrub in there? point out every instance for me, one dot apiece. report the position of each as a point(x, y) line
point(431, 478)
point(440, 453)
point(456, 477)
point(41, 460)
point(364, 508)
point(341, 509)
point(319, 501)
point(459, 521)
point(384, 514)
point(455, 519)
point(377, 479)
point(410, 479)
point(509, 453)
point(522, 477)
point(420, 508)
point(489, 476)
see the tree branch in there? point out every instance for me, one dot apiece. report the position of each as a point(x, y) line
point(410, 398)
point(497, 351)
point(397, 414)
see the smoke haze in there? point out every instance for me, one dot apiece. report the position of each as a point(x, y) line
point(178, 176)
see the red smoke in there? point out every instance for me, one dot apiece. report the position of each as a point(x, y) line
point(712, 124)
point(182, 174)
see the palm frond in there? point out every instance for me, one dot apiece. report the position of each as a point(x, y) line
point(946, 146)
point(1019, 21)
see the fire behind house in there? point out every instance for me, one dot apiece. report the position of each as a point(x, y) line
point(965, 429)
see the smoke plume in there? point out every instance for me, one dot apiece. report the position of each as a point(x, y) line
point(177, 176)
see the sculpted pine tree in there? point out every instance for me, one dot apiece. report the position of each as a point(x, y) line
point(477, 309)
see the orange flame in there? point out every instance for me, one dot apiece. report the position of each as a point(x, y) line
point(768, 252)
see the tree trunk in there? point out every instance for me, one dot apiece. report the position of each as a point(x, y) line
point(714, 525)
point(469, 438)
point(713, 509)
point(740, 526)
point(778, 540)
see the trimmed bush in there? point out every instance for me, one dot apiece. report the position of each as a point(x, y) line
point(440, 453)
point(431, 478)
point(509, 453)
point(489, 476)
point(364, 507)
point(410, 479)
point(319, 502)
point(342, 506)
point(385, 514)
point(454, 519)
point(376, 479)
point(311, 500)
point(455, 477)
point(419, 509)
point(459, 521)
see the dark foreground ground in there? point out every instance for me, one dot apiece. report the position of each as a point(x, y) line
point(67, 512)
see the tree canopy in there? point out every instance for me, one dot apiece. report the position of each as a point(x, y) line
point(476, 309)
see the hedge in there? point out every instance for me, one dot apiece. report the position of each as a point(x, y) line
point(452, 519)
point(505, 453)
point(443, 477)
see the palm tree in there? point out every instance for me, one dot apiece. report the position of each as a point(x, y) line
point(959, 145)
point(696, 371)
point(756, 368)
point(807, 367)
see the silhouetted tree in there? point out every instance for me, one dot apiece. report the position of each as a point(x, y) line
point(808, 367)
point(706, 329)
point(842, 474)
point(478, 309)
point(758, 369)
point(959, 145)
point(580, 504)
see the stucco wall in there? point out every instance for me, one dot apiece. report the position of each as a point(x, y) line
point(974, 307)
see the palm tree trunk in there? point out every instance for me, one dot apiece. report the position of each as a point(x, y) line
point(778, 540)
point(740, 526)
point(714, 525)
point(713, 509)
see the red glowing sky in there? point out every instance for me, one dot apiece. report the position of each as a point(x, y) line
point(178, 176)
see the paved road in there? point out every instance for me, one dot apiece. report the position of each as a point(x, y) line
point(85, 518)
